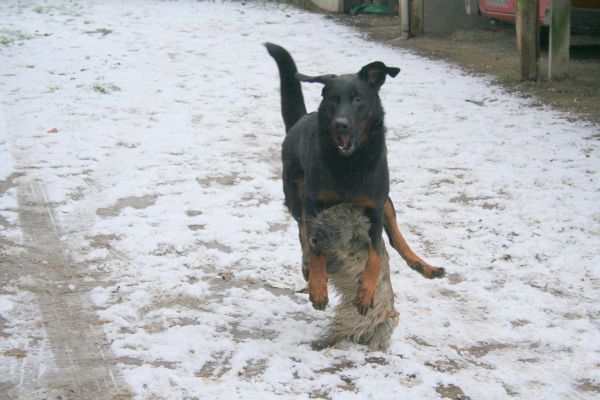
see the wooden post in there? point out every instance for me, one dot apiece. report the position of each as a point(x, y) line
point(560, 39)
point(404, 8)
point(528, 42)
point(417, 16)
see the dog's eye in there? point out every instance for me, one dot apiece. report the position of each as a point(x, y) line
point(357, 99)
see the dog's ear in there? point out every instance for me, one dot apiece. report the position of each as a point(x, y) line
point(324, 79)
point(375, 73)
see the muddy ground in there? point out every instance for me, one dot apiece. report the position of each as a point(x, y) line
point(492, 51)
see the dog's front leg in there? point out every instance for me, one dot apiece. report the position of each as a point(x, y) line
point(370, 276)
point(317, 263)
point(317, 280)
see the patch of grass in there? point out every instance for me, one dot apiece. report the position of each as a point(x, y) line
point(72, 9)
point(105, 88)
point(9, 36)
point(42, 10)
point(507, 79)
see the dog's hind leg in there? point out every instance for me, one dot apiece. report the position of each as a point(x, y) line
point(303, 233)
point(293, 189)
point(397, 241)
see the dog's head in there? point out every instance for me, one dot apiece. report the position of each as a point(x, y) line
point(351, 108)
point(339, 228)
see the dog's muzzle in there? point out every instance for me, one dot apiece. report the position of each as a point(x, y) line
point(345, 144)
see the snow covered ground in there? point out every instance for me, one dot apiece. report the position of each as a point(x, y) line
point(154, 129)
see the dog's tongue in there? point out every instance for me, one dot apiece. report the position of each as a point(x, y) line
point(345, 142)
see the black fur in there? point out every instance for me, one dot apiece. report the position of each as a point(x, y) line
point(292, 101)
point(338, 154)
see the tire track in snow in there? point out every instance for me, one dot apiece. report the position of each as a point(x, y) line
point(82, 358)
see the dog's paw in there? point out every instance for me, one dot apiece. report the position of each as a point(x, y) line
point(317, 292)
point(364, 301)
point(325, 343)
point(437, 272)
point(363, 306)
point(428, 271)
point(318, 302)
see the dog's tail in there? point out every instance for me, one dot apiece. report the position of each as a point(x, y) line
point(292, 101)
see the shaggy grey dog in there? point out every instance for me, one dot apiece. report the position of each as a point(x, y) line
point(343, 234)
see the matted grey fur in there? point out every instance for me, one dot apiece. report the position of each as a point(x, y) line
point(343, 234)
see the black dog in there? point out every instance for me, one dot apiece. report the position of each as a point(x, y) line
point(338, 155)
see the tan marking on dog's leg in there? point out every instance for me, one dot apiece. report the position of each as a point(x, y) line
point(398, 243)
point(317, 280)
point(368, 282)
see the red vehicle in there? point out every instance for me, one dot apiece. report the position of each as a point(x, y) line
point(505, 10)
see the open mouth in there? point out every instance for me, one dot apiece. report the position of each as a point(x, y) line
point(345, 145)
